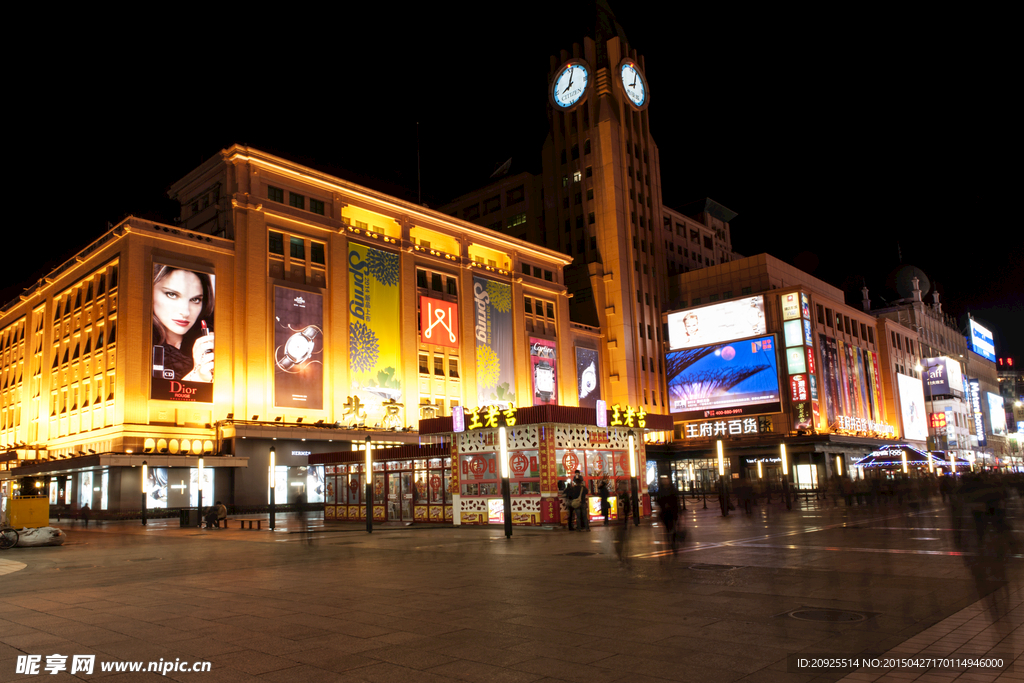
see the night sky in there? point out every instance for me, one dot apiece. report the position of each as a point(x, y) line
point(841, 148)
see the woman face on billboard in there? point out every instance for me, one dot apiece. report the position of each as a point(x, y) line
point(177, 302)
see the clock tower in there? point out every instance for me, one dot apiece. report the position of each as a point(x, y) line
point(602, 206)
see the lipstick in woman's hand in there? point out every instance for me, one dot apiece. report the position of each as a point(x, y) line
point(206, 333)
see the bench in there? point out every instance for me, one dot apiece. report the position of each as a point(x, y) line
point(242, 522)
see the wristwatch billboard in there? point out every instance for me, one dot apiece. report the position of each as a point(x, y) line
point(298, 348)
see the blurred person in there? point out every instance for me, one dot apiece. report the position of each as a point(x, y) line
point(668, 512)
point(582, 512)
point(605, 493)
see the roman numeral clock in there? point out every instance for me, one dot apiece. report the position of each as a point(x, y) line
point(634, 84)
point(570, 85)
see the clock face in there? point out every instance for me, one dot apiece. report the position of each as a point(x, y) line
point(570, 85)
point(633, 83)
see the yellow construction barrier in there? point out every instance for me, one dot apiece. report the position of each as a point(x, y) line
point(28, 511)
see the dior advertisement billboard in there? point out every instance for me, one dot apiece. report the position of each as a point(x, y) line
point(588, 374)
point(298, 349)
point(183, 324)
point(492, 327)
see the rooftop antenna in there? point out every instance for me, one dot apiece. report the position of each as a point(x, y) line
point(899, 251)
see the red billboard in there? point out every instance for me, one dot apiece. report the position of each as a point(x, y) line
point(439, 322)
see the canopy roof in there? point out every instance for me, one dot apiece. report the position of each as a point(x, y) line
point(892, 456)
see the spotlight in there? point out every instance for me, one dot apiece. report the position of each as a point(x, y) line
point(91, 451)
point(231, 416)
point(319, 423)
point(255, 417)
point(298, 421)
point(277, 419)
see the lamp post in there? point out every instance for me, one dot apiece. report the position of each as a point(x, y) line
point(200, 480)
point(145, 477)
point(273, 488)
point(634, 482)
point(722, 495)
point(785, 477)
point(506, 489)
point(369, 486)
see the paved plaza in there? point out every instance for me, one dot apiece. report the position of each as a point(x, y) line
point(741, 597)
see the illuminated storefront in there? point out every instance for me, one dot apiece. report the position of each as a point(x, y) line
point(285, 308)
point(458, 480)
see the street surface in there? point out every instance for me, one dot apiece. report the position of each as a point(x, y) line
point(448, 604)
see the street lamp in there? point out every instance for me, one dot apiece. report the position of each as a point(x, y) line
point(506, 490)
point(634, 483)
point(369, 486)
point(200, 492)
point(145, 478)
point(722, 495)
point(273, 488)
point(785, 477)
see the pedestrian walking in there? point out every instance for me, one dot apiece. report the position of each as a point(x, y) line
point(605, 494)
point(85, 514)
point(668, 512)
point(579, 503)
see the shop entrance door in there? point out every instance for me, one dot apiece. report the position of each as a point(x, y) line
point(406, 497)
point(394, 497)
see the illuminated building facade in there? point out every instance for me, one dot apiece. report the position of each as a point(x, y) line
point(765, 354)
point(285, 308)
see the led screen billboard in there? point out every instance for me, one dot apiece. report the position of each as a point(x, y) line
point(736, 378)
point(996, 413)
point(183, 322)
point(942, 377)
point(716, 323)
point(981, 341)
point(912, 408)
point(298, 349)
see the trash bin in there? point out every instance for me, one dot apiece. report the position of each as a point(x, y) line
point(189, 517)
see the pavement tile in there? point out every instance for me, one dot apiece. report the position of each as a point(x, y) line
point(408, 657)
point(478, 671)
point(254, 663)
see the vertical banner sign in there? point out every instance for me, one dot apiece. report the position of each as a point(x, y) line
point(374, 353)
point(545, 380)
point(831, 379)
point(495, 371)
point(298, 349)
point(877, 388)
point(587, 377)
point(439, 322)
point(183, 322)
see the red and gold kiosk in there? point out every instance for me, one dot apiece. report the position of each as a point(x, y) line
point(457, 477)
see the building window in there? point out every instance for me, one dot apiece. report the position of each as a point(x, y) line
point(297, 248)
point(828, 317)
point(471, 212)
point(821, 314)
point(707, 242)
point(695, 302)
point(453, 367)
point(297, 200)
point(316, 253)
point(694, 236)
point(871, 335)
point(424, 364)
point(589, 172)
point(591, 218)
point(275, 194)
point(439, 365)
point(515, 195)
point(492, 204)
point(517, 220)
point(745, 290)
point(586, 148)
point(276, 245)
point(577, 176)
point(316, 206)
